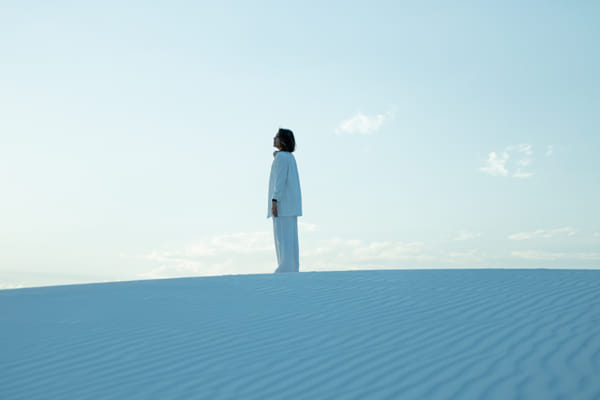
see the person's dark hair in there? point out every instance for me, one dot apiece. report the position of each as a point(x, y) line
point(286, 138)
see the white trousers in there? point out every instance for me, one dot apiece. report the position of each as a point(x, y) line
point(285, 230)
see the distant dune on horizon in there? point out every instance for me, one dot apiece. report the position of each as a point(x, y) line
point(382, 334)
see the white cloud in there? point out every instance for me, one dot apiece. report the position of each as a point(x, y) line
point(541, 233)
point(538, 255)
point(596, 234)
point(254, 252)
point(497, 166)
point(232, 253)
point(172, 268)
point(463, 257)
point(386, 250)
point(241, 242)
point(587, 256)
point(464, 235)
point(525, 160)
point(306, 227)
point(347, 254)
point(521, 174)
point(521, 148)
point(364, 124)
point(11, 286)
point(546, 255)
point(550, 150)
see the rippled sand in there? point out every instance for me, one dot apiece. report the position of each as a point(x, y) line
point(390, 334)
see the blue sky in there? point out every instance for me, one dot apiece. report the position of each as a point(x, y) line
point(135, 139)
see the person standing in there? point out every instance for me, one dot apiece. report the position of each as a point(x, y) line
point(285, 201)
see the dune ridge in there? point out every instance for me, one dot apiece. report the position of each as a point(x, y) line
point(386, 334)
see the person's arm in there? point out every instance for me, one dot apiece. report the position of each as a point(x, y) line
point(281, 172)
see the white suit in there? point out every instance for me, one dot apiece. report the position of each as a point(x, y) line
point(284, 186)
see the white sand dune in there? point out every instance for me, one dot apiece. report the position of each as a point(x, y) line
point(391, 334)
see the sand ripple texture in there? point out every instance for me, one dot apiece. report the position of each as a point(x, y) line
point(388, 334)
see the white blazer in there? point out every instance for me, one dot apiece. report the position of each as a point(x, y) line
point(284, 185)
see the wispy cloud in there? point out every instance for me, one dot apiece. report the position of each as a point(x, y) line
point(5, 285)
point(386, 250)
point(232, 253)
point(541, 233)
point(497, 165)
point(306, 227)
point(524, 149)
point(525, 152)
point(246, 242)
point(521, 174)
point(549, 256)
point(470, 256)
point(254, 252)
point(363, 124)
point(464, 235)
point(549, 150)
point(538, 255)
point(345, 254)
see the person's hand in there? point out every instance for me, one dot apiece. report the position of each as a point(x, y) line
point(274, 208)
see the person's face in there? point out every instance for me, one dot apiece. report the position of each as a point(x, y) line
point(276, 142)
